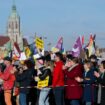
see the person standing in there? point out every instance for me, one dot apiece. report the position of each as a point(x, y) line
point(73, 90)
point(2, 67)
point(45, 74)
point(101, 80)
point(58, 79)
point(89, 90)
point(8, 80)
point(24, 78)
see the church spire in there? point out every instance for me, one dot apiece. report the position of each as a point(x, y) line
point(13, 27)
point(14, 6)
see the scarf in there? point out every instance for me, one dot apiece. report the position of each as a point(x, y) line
point(72, 67)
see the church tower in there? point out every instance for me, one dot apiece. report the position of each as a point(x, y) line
point(13, 28)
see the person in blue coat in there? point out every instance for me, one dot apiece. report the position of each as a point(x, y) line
point(101, 81)
point(89, 93)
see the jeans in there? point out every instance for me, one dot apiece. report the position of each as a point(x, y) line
point(22, 99)
point(74, 102)
point(59, 95)
point(88, 103)
point(43, 97)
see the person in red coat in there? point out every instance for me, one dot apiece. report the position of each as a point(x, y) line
point(58, 80)
point(8, 80)
point(73, 90)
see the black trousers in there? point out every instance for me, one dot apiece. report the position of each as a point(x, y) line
point(2, 98)
point(59, 95)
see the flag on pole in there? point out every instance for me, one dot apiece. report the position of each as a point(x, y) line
point(59, 46)
point(22, 56)
point(16, 50)
point(28, 52)
point(82, 40)
point(94, 41)
point(90, 47)
point(77, 48)
point(33, 48)
point(35, 51)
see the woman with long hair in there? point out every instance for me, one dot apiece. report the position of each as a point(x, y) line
point(58, 79)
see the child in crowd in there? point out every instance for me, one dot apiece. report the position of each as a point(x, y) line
point(89, 93)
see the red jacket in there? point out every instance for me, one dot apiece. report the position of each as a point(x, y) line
point(73, 90)
point(58, 75)
point(8, 78)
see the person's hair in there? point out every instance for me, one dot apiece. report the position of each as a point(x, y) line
point(103, 63)
point(50, 64)
point(93, 57)
point(94, 64)
point(29, 64)
point(58, 54)
point(69, 56)
point(88, 62)
point(75, 60)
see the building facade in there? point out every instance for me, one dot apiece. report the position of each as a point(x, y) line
point(13, 28)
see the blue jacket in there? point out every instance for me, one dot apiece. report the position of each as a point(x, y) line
point(89, 93)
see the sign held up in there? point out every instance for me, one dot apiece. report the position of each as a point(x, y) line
point(39, 43)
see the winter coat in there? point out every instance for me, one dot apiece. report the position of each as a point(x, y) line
point(73, 90)
point(44, 73)
point(8, 78)
point(24, 80)
point(89, 91)
point(58, 75)
point(101, 80)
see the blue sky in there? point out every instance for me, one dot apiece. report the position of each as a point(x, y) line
point(55, 18)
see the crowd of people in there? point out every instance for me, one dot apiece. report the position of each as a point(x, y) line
point(57, 80)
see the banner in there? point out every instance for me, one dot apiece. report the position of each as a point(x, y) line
point(39, 43)
point(43, 83)
point(22, 56)
point(60, 44)
point(77, 48)
point(28, 52)
point(91, 47)
point(59, 47)
point(16, 50)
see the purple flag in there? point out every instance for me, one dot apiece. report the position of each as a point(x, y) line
point(77, 48)
point(60, 44)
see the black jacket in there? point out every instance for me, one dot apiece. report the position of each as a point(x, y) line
point(101, 81)
point(24, 80)
point(46, 72)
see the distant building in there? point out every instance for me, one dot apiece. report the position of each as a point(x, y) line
point(13, 28)
point(13, 33)
point(5, 42)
